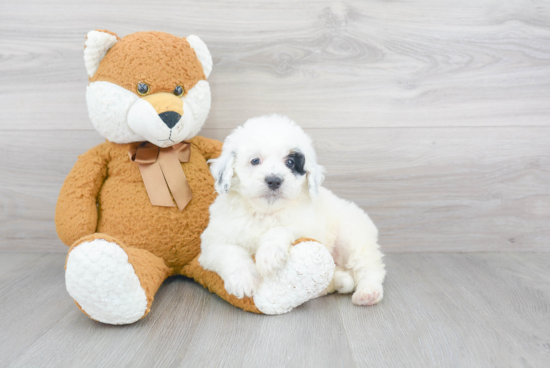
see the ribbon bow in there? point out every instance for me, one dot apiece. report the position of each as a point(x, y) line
point(160, 169)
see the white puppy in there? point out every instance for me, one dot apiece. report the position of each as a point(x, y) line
point(270, 195)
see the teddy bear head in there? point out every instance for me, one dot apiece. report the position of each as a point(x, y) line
point(147, 86)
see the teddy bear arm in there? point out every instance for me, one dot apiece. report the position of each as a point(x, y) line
point(76, 212)
point(210, 148)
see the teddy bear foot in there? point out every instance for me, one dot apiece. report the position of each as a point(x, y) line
point(307, 273)
point(103, 283)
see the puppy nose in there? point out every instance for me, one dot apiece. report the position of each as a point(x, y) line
point(170, 118)
point(273, 182)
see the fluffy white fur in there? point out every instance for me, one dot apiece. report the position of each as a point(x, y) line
point(121, 116)
point(249, 218)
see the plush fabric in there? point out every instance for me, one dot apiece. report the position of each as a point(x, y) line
point(286, 288)
point(213, 282)
point(125, 208)
point(99, 275)
point(159, 59)
point(202, 53)
point(111, 123)
point(121, 246)
point(96, 46)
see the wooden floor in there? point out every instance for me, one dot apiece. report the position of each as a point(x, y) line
point(440, 310)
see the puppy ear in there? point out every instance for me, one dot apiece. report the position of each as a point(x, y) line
point(222, 167)
point(222, 170)
point(315, 177)
point(95, 47)
point(201, 50)
point(315, 173)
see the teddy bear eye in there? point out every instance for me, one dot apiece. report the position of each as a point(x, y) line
point(178, 91)
point(289, 163)
point(255, 161)
point(142, 89)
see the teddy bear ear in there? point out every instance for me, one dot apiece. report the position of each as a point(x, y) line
point(95, 47)
point(202, 53)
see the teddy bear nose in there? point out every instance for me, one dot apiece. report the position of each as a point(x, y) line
point(170, 118)
point(273, 182)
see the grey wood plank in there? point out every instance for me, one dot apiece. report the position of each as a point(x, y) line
point(448, 189)
point(455, 310)
point(538, 264)
point(32, 302)
point(161, 337)
point(439, 310)
point(12, 262)
point(312, 336)
point(188, 327)
point(326, 63)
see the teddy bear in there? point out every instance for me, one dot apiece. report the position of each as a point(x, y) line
point(133, 208)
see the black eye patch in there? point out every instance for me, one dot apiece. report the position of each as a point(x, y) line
point(299, 162)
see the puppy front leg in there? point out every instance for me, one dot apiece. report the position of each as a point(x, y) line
point(235, 267)
point(369, 277)
point(273, 249)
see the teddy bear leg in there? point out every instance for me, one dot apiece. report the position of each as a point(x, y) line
point(214, 283)
point(111, 282)
point(308, 271)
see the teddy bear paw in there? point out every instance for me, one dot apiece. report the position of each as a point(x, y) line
point(307, 272)
point(100, 279)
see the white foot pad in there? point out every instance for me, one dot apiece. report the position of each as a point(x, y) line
point(307, 273)
point(104, 284)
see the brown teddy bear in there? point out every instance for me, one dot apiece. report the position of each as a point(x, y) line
point(133, 208)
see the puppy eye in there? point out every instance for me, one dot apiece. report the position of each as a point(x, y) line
point(255, 161)
point(289, 163)
point(142, 89)
point(178, 91)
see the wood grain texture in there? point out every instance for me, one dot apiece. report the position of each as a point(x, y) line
point(439, 310)
point(447, 189)
point(433, 116)
point(325, 63)
point(461, 311)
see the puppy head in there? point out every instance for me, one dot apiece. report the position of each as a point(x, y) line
point(270, 161)
point(147, 86)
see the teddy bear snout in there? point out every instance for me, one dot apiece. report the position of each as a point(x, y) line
point(168, 107)
point(170, 118)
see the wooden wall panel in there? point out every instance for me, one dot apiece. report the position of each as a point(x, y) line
point(325, 63)
point(444, 189)
point(433, 116)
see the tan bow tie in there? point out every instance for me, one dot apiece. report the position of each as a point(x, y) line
point(162, 173)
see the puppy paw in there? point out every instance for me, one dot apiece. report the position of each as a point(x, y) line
point(270, 258)
point(242, 282)
point(343, 282)
point(368, 295)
